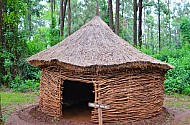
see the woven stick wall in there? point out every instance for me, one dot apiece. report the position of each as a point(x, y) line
point(51, 81)
point(50, 94)
point(132, 95)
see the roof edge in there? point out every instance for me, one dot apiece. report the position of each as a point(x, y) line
point(128, 65)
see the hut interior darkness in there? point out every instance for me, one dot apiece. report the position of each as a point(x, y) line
point(95, 59)
point(75, 98)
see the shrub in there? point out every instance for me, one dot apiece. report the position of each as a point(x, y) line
point(25, 85)
point(177, 79)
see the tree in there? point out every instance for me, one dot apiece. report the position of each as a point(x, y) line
point(69, 18)
point(185, 30)
point(61, 18)
point(140, 24)
point(29, 17)
point(1, 21)
point(97, 8)
point(170, 37)
point(159, 38)
point(62, 15)
point(135, 22)
point(117, 17)
point(52, 10)
point(110, 8)
point(1, 41)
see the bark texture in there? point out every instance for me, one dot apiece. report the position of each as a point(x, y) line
point(69, 17)
point(62, 16)
point(135, 22)
point(140, 24)
point(110, 14)
point(117, 17)
point(159, 37)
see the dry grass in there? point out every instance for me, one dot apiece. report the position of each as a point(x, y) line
point(181, 102)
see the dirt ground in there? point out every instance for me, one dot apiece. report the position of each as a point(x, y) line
point(174, 114)
point(31, 116)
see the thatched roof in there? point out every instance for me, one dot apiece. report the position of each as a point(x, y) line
point(94, 44)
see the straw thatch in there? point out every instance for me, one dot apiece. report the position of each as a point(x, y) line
point(124, 78)
point(94, 44)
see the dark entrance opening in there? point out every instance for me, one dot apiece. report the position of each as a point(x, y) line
point(76, 96)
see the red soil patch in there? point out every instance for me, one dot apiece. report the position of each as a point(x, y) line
point(32, 116)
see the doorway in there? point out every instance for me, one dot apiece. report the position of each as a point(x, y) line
point(75, 98)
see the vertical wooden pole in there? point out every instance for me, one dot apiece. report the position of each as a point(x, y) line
point(99, 109)
point(100, 114)
point(95, 90)
point(97, 94)
point(61, 82)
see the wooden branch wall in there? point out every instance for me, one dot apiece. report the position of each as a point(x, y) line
point(132, 95)
point(50, 94)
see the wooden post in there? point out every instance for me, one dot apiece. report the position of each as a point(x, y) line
point(99, 109)
point(100, 115)
point(100, 106)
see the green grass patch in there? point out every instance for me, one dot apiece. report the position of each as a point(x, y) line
point(16, 98)
point(11, 101)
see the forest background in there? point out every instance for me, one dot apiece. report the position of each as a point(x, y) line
point(160, 28)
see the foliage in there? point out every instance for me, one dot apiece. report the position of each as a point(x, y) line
point(185, 29)
point(25, 85)
point(29, 27)
point(177, 79)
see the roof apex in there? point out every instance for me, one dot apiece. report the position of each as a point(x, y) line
point(93, 44)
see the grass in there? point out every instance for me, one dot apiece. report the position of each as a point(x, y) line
point(17, 98)
point(179, 101)
point(11, 101)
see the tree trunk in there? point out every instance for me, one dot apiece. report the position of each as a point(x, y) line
point(145, 39)
point(54, 5)
point(170, 37)
point(62, 16)
point(69, 17)
point(110, 14)
point(97, 8)
point(159, 39)
point(122, 11)
point(51, 6)
point(152, 38)
point(135, 22)
point(1, 45)
point(148, 36)
point(1, 22)
point(29, 18)
point(140, 24)
point(117, 17)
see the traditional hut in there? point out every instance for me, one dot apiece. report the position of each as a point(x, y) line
point(129, 81)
